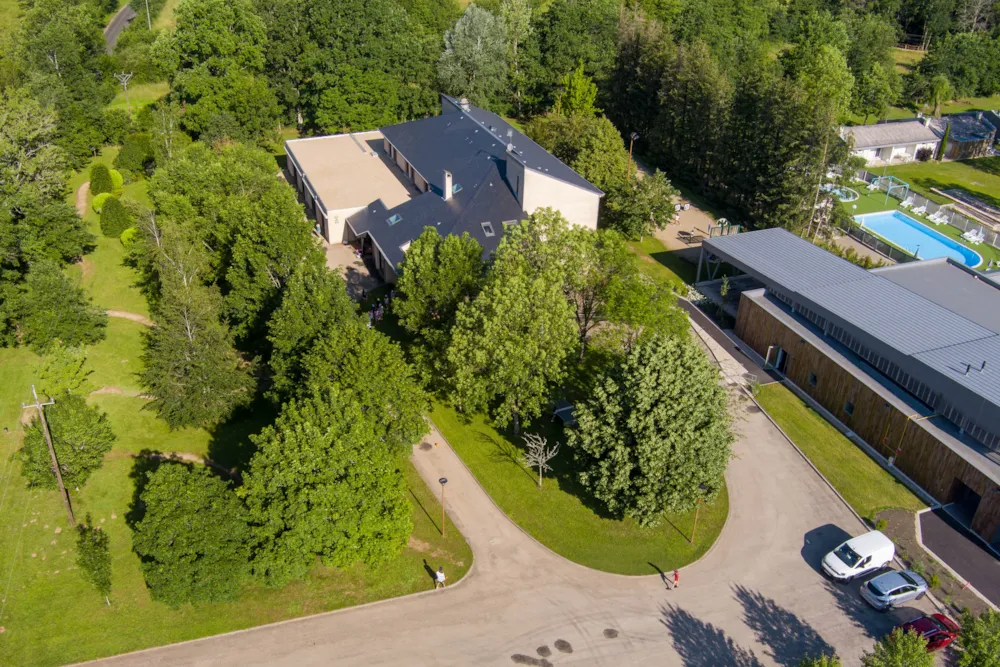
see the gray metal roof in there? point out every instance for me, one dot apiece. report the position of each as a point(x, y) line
point(949, 284)
point(969, 126)
point(928, 340)
point(893, 133)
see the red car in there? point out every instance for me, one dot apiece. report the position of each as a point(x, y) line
point(937, 629)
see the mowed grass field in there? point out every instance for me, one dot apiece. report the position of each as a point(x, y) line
point(865, 485)
point(561, 516)
point(49, 614)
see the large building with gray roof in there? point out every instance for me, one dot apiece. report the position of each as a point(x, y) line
point(906, 357)
point(898, 141)
point(464, 171)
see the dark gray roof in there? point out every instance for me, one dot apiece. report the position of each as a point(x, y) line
point(893, 133)
point(488, 200)
point(965, 127)
point(949, 284)
point(466, 141)
point(929, 340)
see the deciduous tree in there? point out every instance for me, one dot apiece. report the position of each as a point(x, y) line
point(474, 61)
point(979, 640)
point(577, 94)
point(641, 206)
point(93, 556)
point(899, 649)
point(62, 369)
point(193, 537)
point(323, 484)
point(81, 436)
point(53, 308)
point(655, 435)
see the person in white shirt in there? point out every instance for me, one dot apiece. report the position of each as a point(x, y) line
point(439, 578)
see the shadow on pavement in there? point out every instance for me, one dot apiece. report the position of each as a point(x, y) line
point(787, 637)
point(871, 622)
point(701, 644)
point(818, 542)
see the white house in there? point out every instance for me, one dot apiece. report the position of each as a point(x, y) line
point(894, 141)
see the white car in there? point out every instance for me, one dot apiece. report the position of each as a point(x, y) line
point(859, 556)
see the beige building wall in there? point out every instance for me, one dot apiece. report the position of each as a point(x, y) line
point(335, 223)
point(578, 206)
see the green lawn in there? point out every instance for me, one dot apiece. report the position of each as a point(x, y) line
point(873, 203)
point(9, 13)
point(140, 95)
point(558, 517)
point(166, 20)
point(662, 264)
point(864, 484)
point(906, 60)
point(981, 177)
point(51, 616)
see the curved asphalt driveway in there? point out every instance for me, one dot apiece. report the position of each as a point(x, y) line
point(755, 599)
point(115, 26)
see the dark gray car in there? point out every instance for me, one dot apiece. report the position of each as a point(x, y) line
point(893, 589)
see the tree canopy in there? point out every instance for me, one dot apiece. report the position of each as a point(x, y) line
point(899, 649)
point(81, 436)
point(323, 484)
point(655, 434)
point(474, 61)
point(979, 640)
point(193, 537)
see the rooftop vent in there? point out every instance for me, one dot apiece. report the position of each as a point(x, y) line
point(463, 104)
point(448, 189)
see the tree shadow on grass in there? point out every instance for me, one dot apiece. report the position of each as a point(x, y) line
point(701, 644)
point(230, 444)
point(437, 528)
point(787, 637)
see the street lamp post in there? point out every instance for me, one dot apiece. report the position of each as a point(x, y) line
point(628, 167)
point(443, 481)
point(697, 507)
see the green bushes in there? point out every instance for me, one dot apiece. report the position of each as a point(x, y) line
point(98, 203)
point(114, 218)
point(100, 179)
point(136, 155)
point(117, 180)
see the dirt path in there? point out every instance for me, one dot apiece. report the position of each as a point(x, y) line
point(135, 317)
point(81, 198)
point(118, 391)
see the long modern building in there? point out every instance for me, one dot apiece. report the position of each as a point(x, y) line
point(907, 357)
point(465, 170)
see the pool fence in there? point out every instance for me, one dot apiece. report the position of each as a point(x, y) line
point(951, 217)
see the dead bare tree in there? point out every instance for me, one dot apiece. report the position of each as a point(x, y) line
point(539, 453)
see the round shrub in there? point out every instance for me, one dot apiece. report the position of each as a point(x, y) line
point(99, 201)
point(114, 218)
point(100, 179)
point(128, 238)
point(117, 180)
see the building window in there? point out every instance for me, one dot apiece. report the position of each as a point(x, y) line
point(813, 379)
point(848, 408)
point(488, 229)
point(394, 219)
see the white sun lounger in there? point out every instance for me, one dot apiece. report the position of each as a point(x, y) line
point(920, 210)
point(906, 203)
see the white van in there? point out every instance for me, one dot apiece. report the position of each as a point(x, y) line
point(858, 556)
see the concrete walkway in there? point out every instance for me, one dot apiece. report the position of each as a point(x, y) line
point(755, 599)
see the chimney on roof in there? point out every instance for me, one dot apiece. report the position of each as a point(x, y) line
point(926, 121)
point(463, 104)
point(447, 185)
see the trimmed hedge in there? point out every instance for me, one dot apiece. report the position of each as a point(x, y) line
point(114, 218)
point(117, 180)
point(99, 201)
point(100, 180)
point(128, 239)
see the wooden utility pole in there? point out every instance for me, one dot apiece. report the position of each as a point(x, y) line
point(628, 166)
point(38, 405)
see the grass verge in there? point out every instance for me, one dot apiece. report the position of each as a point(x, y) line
point(662, 264)
point(864, 484)
point(562, 517)
point(140, 95)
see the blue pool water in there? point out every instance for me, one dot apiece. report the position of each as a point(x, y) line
point(905, 232)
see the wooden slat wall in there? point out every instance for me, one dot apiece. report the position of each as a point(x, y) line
point(918, 452)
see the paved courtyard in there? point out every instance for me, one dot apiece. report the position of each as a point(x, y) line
point(756, 598)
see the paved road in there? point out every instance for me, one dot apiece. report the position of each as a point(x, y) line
point(115, 26)
point(755, 599)
point(953, 544)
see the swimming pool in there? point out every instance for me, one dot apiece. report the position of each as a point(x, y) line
point(901, 230)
